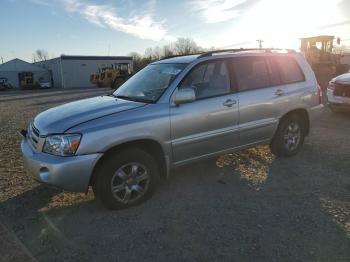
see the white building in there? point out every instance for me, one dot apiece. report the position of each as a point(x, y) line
point(74, 71)
point(13, 68)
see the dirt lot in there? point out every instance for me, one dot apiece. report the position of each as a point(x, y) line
point(248, 206)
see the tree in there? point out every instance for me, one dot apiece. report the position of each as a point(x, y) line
point(186, 46)
point(182, 46)
point(40, 55)
point(168, 50)
point(139, 61)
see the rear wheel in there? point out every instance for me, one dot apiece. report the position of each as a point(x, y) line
point(289, 136)
point(126, 179)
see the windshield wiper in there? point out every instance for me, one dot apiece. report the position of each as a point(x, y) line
point(113, 95)
point(135, 99)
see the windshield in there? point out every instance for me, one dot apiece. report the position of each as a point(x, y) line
point(150, 83)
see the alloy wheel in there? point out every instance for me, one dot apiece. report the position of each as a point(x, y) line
point(130, 182)
point(292, 136)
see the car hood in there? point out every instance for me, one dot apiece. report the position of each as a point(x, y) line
point(61, 118)
point(343, 79)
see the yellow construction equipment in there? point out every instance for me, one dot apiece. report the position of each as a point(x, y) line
point(112, 76)
point(318, 51)
point(94, 78)
point(26, 80)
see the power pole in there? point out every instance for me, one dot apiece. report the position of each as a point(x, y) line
point(2, 60)
point(260, 41)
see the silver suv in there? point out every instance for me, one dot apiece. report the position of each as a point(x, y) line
point(171, 113)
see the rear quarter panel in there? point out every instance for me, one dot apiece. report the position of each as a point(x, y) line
point(301, 95)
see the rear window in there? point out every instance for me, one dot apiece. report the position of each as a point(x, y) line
point(251, 73)
point(290, 71)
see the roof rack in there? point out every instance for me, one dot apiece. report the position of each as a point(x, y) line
point(174, 56)
point(266, 50)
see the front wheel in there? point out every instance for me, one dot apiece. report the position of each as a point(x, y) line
point(126, 179)
point(289, 137)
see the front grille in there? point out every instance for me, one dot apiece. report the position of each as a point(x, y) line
point(35, 131)
point(342, 90)
point(33, 136)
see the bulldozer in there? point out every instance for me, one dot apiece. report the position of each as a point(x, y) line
point(318, 51)
point(112, 76)
point(94, 78)
point(26, 80)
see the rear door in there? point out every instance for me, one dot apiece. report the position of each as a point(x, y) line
point(261, 97)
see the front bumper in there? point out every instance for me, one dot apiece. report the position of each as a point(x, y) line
point(69, 173)
point(337, 101)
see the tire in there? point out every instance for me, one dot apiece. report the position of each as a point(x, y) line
point(134, 175)
point(289, 137)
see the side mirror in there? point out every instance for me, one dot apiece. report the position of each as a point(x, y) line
point(184, 95)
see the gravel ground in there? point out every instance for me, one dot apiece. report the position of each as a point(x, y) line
point(247, 206)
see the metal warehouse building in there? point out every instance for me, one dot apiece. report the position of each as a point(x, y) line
point(13, 69)
point(74, 71)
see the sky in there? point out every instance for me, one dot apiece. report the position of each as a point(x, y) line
point(119, 27)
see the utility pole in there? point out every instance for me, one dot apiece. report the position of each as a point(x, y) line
point(260, 41)
point(2, 60)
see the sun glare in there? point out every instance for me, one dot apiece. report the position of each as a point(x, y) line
point(283, 23)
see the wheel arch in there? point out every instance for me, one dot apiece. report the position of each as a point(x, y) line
point(300, 112)
point(151, 146)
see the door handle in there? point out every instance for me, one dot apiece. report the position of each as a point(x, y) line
point(229, 102)
point(279, 92)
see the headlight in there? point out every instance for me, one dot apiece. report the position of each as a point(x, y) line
point(331, 85)
point(62, 145)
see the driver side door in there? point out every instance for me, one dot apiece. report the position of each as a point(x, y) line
point(209, 124)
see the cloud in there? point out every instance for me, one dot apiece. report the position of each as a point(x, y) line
point(346, 22)
point(216, 11)
point(106, 16)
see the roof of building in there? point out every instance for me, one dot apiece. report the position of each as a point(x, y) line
point(318, 38)
point(82, 57)
point(20, 66)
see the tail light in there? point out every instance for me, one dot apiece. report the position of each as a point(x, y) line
point(320, 94)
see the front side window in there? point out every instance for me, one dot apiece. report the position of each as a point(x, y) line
point(149, 83)
point(208, 79)
point(251, 72)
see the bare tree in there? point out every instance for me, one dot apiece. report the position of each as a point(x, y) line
point(186, 46)
point(183, 46)
point(139, 61)
point(168, 50)
point(40, 55)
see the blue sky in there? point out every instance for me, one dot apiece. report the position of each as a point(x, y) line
point(96, 27)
